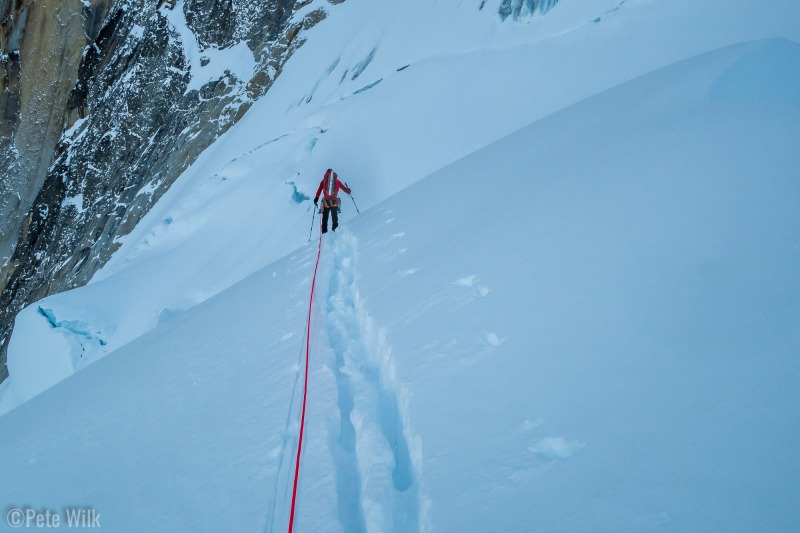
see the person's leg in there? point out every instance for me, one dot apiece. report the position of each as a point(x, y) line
point(325, 212)
point(335, 212)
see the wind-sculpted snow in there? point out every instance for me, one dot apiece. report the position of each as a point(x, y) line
point(587, 357)
point(770, 73)
point(525, 8)
point(362, 65)
point(587, 324)
point(481, 79)
point(368, 86)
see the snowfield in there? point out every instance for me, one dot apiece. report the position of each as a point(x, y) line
point(570, 301)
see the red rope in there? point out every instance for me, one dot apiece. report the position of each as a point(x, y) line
point(305, 386)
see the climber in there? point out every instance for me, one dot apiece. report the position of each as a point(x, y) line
point(329, 187)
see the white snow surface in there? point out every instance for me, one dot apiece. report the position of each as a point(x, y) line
point(570, 301)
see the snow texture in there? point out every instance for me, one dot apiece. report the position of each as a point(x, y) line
point(569, 303)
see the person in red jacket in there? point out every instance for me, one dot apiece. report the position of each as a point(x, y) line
point(329, 187)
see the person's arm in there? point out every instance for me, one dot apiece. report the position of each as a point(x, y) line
point(343, 186)
point(319, 191)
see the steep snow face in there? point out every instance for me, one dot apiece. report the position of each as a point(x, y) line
point(384, 107)
point(605, 341)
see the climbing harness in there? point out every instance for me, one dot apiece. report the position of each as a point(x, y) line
point(327, 203)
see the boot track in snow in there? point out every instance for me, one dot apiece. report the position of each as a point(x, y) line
point(375, 458)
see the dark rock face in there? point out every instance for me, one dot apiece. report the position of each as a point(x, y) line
point(41, 43)
point(125, 129)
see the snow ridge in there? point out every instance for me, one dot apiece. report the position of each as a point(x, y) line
point(377, 459)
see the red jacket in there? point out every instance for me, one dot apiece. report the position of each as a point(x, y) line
point(331, 189)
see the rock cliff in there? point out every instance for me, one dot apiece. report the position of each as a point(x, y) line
point(103, 103)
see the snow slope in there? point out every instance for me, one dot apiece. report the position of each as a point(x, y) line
point(586, 325)
point(386, 107)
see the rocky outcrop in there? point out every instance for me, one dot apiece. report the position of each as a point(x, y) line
point(103, 105)
point(42, 43)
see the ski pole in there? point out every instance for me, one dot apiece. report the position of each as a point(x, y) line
point(314, 214)
point(351, 197)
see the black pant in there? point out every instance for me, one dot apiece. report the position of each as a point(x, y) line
point(325, 211)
